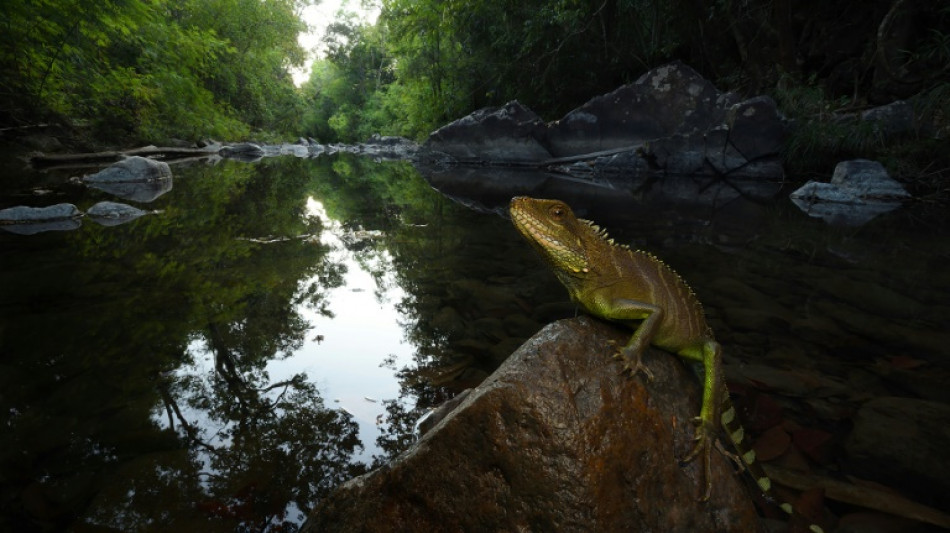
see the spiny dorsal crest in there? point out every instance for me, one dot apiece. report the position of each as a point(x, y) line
point(601, 233)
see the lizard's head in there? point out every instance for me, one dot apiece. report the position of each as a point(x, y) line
point(551, 227)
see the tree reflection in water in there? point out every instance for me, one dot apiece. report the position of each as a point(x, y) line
point(151, 407)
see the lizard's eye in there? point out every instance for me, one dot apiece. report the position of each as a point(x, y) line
point(557, 212)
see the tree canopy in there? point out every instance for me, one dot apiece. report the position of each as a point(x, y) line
point(157, 69)
point(425, 62)
point(152, 69)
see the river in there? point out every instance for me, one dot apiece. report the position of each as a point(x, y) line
point(272, 329)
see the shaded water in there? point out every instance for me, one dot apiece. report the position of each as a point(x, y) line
point(277, 327)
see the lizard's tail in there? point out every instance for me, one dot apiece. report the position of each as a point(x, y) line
point(743, 447)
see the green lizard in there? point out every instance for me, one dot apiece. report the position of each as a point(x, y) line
point(636, 289)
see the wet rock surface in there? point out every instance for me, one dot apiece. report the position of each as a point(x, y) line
point(555, 440)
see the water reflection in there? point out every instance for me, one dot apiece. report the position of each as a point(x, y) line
point(179, 391)
point(280, 325)
point(137, 191)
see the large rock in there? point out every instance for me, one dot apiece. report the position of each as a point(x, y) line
point(669, 100)
point(670, 120)
point(131, 170)
point(510, 133)
point(747, 143)
point(557, 439)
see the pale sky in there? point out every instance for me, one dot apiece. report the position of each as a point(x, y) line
point(319, 17)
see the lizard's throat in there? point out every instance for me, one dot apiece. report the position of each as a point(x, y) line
point(563, 257)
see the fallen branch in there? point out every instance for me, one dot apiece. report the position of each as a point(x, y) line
point(83, 159)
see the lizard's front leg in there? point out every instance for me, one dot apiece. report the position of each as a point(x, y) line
point(707, 423)
point(632, 352)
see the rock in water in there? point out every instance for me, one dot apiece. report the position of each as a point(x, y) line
point(113, 213)
point(557, 439)
point(668, 100)
point(30, 220)
point(867, 180)
point(671, 120)
point(24, 215)
point(510, 133)
point(247, 152)
point(132, 169)
point(859, 190)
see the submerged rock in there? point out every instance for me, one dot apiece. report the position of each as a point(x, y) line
point(859, 190)
point(26, 220)
point(557, 439)
point(130, 170)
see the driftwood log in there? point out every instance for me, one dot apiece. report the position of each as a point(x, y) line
point(41, 160)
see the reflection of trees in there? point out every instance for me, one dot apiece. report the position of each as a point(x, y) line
point(463, 311)
point(267, 447)
point(238, 448)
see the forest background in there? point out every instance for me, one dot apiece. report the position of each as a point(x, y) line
point(122, 72)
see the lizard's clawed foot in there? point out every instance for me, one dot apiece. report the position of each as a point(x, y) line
point(632, 361)
point(740, 464)
point(703, 440)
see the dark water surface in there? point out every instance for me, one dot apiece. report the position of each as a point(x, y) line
point(276, 328)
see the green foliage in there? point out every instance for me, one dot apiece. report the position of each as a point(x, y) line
point(152, 69)
point(349, 92)
point(426, 62)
